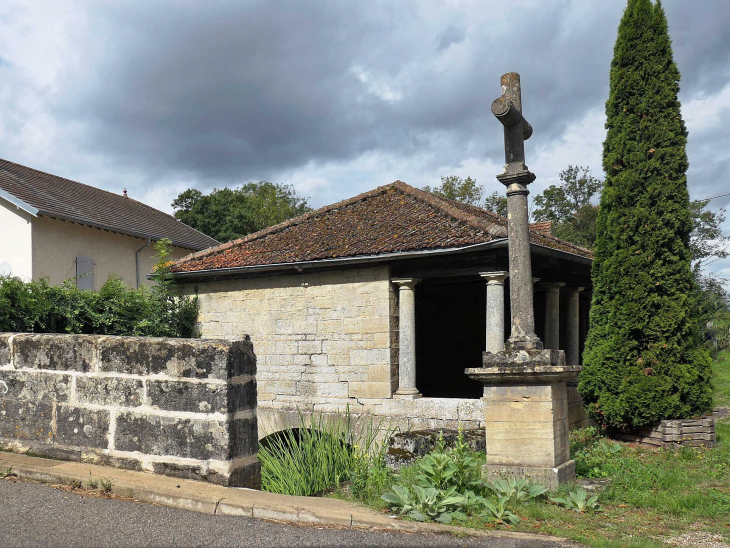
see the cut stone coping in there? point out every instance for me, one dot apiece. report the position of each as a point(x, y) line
point(208, 498)
point(523, 374)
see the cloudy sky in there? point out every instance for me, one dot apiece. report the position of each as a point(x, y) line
point(333, 97)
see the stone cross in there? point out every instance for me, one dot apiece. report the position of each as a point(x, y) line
point(508, 110)
point(525, 394)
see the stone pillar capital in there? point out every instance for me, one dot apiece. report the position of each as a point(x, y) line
point(574, 289)
point(553, 287)
point(494, 277)
point(535, 280)
point(407, 283)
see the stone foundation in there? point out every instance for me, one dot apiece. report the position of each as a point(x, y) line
point(673, 433)
point(180, 407)
point(390, 414)
point(405, 447)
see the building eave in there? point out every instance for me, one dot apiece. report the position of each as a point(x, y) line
point(17, 202)
point(559, 253)
point(300, 266)
point(328, 263)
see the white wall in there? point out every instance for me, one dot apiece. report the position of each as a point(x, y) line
point(56, 244)
point(15, 241)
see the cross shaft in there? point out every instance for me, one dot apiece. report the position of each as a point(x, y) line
point(508, 110)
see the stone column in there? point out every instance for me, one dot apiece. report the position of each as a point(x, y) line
point(407, 339)
point(495, 309)
point(522, 334)
point(587, 297)
point(572, 327)
point(577, 417)
point(552, 314)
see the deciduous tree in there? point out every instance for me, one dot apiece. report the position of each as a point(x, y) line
point(454, 187)
point(569, 206)
point(226, 214)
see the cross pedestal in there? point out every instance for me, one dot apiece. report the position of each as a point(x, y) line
point(525, 397)
point(526, 415)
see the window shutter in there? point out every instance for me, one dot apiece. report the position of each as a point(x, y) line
point(84, 273)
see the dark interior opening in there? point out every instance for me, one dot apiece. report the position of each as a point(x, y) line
point(450, 336)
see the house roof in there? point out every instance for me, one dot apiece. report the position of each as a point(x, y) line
point(543, 227)
point(41, 193)
point(389, 219)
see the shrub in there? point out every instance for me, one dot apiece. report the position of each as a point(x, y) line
point(579, 501)
point(446, 485)
point(115, 309)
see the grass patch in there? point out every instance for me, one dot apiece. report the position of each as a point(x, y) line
point(653, 495)
point(721, 379)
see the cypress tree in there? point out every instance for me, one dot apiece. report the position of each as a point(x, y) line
point(644, 360)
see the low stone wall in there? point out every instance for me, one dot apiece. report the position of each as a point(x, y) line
point(180, 407)
point(389, 414)
point(673, 433)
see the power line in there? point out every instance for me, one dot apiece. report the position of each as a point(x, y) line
point(720, 196)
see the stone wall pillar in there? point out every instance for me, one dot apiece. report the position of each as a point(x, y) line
point(572, 327)
point(407, 339)
point(495, 310)
point(552, 314)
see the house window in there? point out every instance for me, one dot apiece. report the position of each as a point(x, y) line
point(84, 273)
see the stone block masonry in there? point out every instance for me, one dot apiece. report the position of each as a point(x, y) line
point(180, 407)
point(324, 340)
point(328, 342)
point(697, 432)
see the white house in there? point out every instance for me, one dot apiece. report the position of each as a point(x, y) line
point(54, 228)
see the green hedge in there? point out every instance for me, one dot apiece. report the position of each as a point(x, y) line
point(115, 309)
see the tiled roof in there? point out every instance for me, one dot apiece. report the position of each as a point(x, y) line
point(543, 227)
point(71, 201)
point(392, 218)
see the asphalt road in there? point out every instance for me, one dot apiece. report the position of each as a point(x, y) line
point(37, 515)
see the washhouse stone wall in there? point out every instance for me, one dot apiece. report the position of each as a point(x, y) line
point(325, 342)
point(181, 407)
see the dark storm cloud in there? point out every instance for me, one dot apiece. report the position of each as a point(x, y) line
point(228, 91)
point(239, 90)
